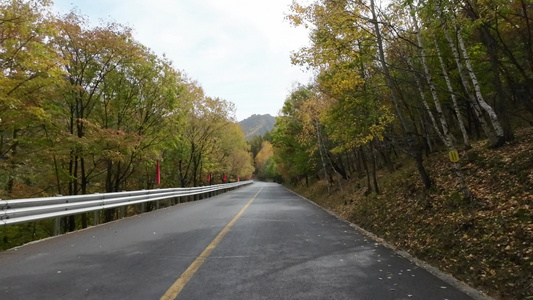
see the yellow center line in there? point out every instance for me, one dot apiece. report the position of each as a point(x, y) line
point(176, 288)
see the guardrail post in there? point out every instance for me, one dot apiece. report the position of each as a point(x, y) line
point(122, 212)
point(96, 217)
point(57, 226)
point(57, 222)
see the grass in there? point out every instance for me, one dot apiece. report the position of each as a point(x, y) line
point(486, 242)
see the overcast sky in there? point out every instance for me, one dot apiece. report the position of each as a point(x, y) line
point(237, 50)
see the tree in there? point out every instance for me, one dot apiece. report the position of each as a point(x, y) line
point(340, 43)
point(87, 109)
point(294, 155)
point(29, 73)
point(443, 130)
point(262, 158)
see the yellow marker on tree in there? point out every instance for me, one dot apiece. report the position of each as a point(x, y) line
point(454, 156)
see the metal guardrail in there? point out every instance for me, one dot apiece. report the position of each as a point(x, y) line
point(32, 209)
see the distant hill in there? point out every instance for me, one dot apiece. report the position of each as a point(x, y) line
point(257, 125)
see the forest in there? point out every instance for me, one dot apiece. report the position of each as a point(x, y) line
point(87, 109)
point(417, 127)
point(410, 78)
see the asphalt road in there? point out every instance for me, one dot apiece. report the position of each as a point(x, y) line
point(258, 242)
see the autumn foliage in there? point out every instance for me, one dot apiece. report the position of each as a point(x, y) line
point(87, 109)
point(398, 87)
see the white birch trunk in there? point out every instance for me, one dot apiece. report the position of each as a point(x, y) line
point(409, 130)
point(479, 96)
point(446, 139)
point(426, 105)
point(477, 110)
point(446, 135)
point(466, 139)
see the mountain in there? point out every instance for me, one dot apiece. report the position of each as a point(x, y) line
point(257, 125)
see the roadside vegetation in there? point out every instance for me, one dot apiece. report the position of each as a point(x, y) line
point(88, 109)
point(417, 126)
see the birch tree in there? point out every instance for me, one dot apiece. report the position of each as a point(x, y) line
point(443, 129)
point(466, 139)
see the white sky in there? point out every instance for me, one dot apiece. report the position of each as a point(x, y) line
point(237, 50)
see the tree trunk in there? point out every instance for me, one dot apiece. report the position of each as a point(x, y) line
point(359, 168)
point(445, 135)
point(466, 139)
point(475, 106)
point(374, 169)
point(427, 138)
point(339, 169)
point(445, 131)
point(479, 96)
point(385, 155)
point(385, 68)
point(414, 149)
point(319, 140)
point(426, 180)
point(501, 96)
point(425, 103)
point(367, 173)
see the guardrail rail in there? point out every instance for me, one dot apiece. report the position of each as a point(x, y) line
point(32, 209)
